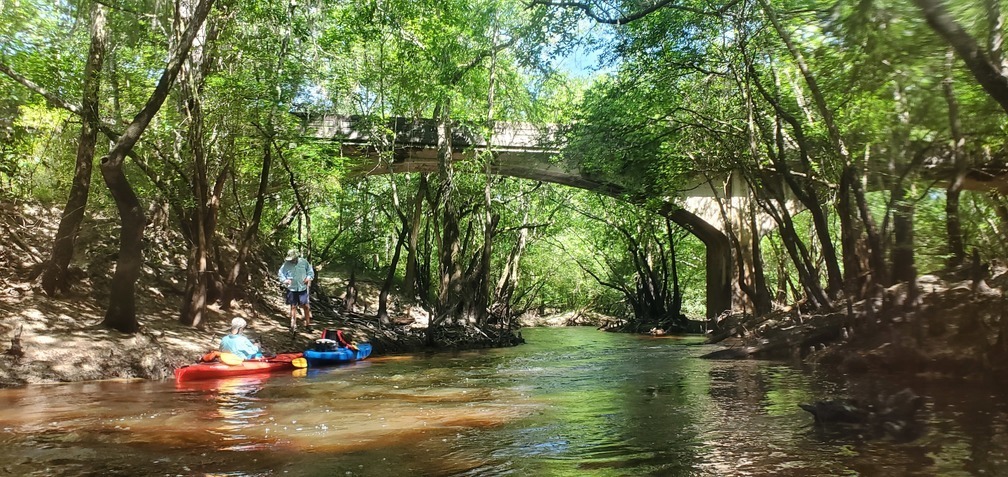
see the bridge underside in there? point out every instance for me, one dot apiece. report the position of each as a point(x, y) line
point(511, 163)
point(531, 166)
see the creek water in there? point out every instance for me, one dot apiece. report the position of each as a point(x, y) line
point(570, 402)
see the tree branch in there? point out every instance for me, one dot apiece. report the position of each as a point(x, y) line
point(587, 9)
point(52, 98)
point(987, 74)
point(105, 128)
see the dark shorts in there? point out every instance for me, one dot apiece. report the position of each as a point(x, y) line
point(297, 298)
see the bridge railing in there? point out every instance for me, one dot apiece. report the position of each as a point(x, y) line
point(423, 133)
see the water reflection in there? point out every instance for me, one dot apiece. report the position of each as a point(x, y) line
point(570, 402)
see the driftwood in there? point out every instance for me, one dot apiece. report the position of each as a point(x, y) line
point(773, 341)
point(815, 332)
point(783, 333)
point(741, 352)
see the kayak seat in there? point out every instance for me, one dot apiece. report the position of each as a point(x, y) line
point(209, 357)
point(326, 345)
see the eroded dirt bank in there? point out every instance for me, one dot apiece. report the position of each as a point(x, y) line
point(942, 329)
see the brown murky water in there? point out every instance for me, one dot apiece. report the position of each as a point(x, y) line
point(571, 402)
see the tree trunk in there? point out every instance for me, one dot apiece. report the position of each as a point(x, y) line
point(203, 274)
point(802, 261)
point(855, 279)
point(450, 286)
point(953, 223)
point(995, 36)
point(796, 248)
point(425, 273)
point(650, 298)
point(805, 193)
point(383, 317)
point(195, 299)
point(903, 209)
point(1000, 206)
point(875, 250)
point(762, 302)
point(54, 277)
point(409, 282)
point(302, 205)
point(230, 286)
point(252, 229)
point(404, 230)
point(479, 302)
point(903, 253)
point(121, 313)
point(677, 296)
point(202, 216)
point(502, 305)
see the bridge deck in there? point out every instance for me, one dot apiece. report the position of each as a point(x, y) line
point(529, 151)
point(423, 133)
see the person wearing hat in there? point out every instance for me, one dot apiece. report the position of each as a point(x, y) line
point(236, 343)
point(297, 274)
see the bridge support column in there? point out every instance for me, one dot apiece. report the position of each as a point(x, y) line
point(719, 275)
point(719, 260)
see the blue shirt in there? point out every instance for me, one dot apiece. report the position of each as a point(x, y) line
point(296, 272)
point(239, 345)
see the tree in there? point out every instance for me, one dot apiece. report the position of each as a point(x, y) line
point(54, 277)
point(199, 225)
point(121, 312)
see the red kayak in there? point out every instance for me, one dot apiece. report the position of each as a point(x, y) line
point(217, 369)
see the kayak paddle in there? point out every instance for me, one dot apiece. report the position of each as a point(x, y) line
point(299, 362)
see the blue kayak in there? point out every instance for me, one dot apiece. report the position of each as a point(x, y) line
point(337, 356)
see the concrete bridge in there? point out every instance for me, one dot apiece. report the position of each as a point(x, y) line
point(530, 152)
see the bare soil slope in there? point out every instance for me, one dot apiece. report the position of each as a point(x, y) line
point(45, 339)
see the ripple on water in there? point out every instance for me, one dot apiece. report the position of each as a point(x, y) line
point(570, 402)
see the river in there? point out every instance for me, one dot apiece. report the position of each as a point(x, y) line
point(570, 402)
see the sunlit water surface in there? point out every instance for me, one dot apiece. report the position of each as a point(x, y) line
point(571, 401)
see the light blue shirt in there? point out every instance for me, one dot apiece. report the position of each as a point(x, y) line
point(296, 272)
point(239, 345)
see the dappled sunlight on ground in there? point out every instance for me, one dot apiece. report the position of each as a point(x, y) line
point(62, 338)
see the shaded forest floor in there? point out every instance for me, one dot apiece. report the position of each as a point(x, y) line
point(61, 339)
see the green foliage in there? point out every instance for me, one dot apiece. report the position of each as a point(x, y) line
point(680, 107)
point(683, 104)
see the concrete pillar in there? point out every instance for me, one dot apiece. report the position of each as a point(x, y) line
point(719, 260)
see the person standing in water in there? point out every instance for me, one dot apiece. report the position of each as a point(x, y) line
point(297, 274)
